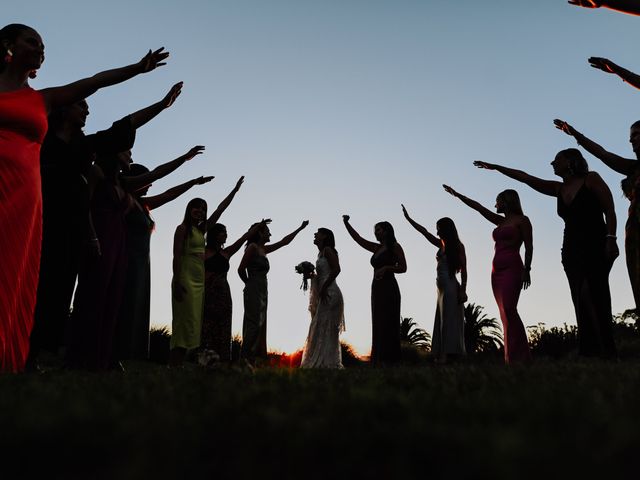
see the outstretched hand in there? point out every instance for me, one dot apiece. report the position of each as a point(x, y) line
point(585, 3)
point(304, 224)
point(239, 183)
point(170, 97)
point(152, 60)
point(565, 127)
point(345, 218)
point(450, 190)
point(603, 64)
point(197, 150)
point(485, 165)
point(202, 180)
point(404, 211)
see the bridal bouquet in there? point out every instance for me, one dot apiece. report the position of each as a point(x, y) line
point(307, 269)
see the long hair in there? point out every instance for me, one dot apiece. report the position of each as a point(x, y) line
point(256, 237)
point(9, 33)
point(212, 233)
point(136, 169)
point(187, 221)
point(511, 201)
point(329, 239)
point(577, 163)
point(452, 245)
point(388, 235)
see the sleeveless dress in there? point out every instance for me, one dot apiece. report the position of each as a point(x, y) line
point(254, 323)
point(65, 203)
point(322, 349)
point(448, 327)
point(186, 327)
point(132, 338)
point(23, 124)
point(385, 312)
point(587, 270)
point(631, 189)
point(216, 323)
point(506, 282)
point(100, 283)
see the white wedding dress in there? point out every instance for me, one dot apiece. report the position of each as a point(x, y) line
point(322, 349)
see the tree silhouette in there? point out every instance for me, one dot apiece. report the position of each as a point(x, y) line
point(481, 333)
point(411, 334)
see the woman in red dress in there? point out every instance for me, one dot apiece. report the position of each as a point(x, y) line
point(23, 124)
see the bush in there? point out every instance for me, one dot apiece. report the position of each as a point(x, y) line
point(159, 345)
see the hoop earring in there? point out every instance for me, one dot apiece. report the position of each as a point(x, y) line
point(8, 57)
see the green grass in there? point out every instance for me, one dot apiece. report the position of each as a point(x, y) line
point(545, 420)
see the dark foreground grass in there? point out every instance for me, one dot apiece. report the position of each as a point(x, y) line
point(547, 420)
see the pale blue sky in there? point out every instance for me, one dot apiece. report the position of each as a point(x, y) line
point(332, 107)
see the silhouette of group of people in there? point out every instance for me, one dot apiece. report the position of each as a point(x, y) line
point(75, 210)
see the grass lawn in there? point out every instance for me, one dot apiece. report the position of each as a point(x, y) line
point(547, 420)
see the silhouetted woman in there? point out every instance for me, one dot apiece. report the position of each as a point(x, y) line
point(187, 285)
point(132, 334)
point(253, 270)
point(326, 305)
point(387, 260)
point(65, 160)
point(216, 322)
point(448, 327)
point(23, 124)
point(589, 245)
point(631, 189)
point(508, 275)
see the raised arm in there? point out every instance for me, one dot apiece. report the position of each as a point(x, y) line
point(215, 216)
point(546, 187)
point(615, 162)
point(366, 244)
point(143, 116)
point(484, 211)
point(68, 94)
point(154, 201)
point(631, 7)
point(178, 247)
point(249, 253)
point(134, 183)
point(235, 246)
point(272, 247)
point(600, 188)
point(608, 66)
point(431, 238)
point(527, 237)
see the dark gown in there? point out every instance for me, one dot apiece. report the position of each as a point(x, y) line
point(65, 202)
point(385, 312)
point(587, 269)
point(100, 283)
point(254, 323)
point(631, 190)
point(132, 334)
point(216, 323)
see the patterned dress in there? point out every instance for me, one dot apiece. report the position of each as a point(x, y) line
point(216, 323)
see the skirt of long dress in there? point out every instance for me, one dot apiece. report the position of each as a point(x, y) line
point(254, 323)
point(186, 327)
point(322, 349)
point(134, 319)
point(385, 320)
point(632, 253)
point(448, 327)
point(216, 322)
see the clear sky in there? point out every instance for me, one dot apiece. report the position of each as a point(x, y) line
point(345, 106)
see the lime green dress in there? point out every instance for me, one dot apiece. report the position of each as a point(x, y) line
point(187, 313)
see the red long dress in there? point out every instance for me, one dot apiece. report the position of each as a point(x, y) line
point(23, 124)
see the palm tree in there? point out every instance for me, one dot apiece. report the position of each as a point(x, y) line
point(412, 335)
point(481, 333)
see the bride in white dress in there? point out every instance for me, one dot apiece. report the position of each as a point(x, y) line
point(326, 305)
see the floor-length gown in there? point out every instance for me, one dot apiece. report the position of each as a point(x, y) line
point(132, 335)
point(101, 282)
point(322, 349)
point(254, 323)
point(631, 189)
point(23, 124)
point(186, 326)
point(448, 327)
point(506, 282)
point(65, 214)
point(216, 323)
point(385, 312)
point(587, 270)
